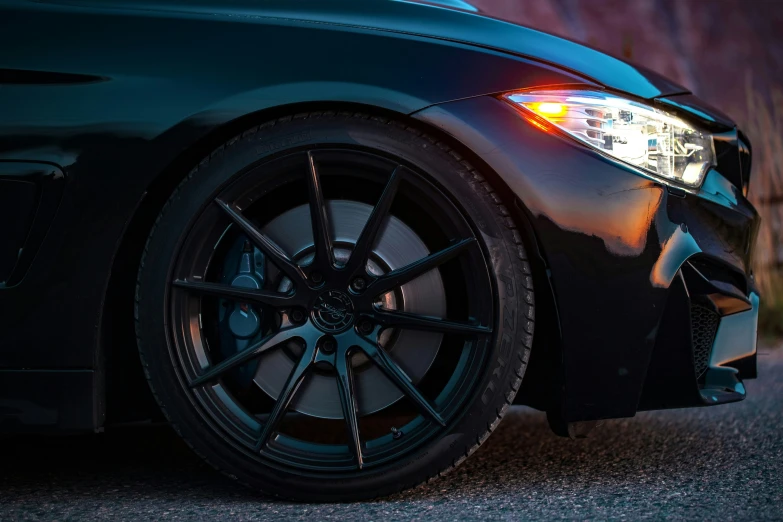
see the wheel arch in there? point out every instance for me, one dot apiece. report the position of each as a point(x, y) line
point(126, 392)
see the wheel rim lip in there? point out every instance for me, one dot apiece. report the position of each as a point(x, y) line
point(204, 399)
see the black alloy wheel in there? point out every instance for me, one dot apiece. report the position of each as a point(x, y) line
point(322, 321)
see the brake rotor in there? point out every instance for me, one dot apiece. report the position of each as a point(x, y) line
point(398, 245)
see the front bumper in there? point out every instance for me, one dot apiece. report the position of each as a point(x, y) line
point(706, 342)
point(627, 258)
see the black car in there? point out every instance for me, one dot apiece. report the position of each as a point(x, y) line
point(346, 236)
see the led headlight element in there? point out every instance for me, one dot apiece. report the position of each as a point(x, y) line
point(643, 136)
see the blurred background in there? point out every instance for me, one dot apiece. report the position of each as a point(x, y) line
point(727, 52)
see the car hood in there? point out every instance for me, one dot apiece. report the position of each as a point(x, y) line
point(452, 20)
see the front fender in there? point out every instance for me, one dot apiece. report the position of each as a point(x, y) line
point(613, 239)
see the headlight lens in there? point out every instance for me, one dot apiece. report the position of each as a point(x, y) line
point(643, 136)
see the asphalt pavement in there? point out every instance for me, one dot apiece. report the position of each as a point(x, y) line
point(718, 463)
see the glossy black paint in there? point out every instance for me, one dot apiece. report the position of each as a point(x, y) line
point(160, 84)
point(121, 97)
point(614, 241)
point(29, 196)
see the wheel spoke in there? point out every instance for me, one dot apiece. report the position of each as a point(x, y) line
point(369, 235)
point(266, 245)
point(388, 318)
point(347, 391)
point(286, 395)
point(324, 256)
point(400, 276)
point(398, 377)
point(251, 352)
point(236, 293)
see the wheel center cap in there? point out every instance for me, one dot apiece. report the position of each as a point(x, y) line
point(333, 311)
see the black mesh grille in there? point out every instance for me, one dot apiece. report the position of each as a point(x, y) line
point(704, 326)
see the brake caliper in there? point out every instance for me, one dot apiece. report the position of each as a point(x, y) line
point(241, 324)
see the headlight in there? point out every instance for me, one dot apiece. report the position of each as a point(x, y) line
point(643, 136)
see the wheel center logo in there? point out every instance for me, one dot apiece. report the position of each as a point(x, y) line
point(333, 311)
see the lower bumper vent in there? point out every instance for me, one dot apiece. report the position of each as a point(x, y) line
point(704, 326)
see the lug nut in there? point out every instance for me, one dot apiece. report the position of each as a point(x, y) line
point(358, 284)
point(297, 315)
point(365, 327)
point(328, 346)
point(316, 277)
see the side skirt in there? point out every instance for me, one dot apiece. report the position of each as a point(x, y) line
point(35, 401)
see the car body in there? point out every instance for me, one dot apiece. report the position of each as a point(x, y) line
point(104, 105)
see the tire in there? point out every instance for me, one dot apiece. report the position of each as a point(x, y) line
point(499, 354)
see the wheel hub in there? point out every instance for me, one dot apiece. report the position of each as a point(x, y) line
point(333, 312)
point(397, 246)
